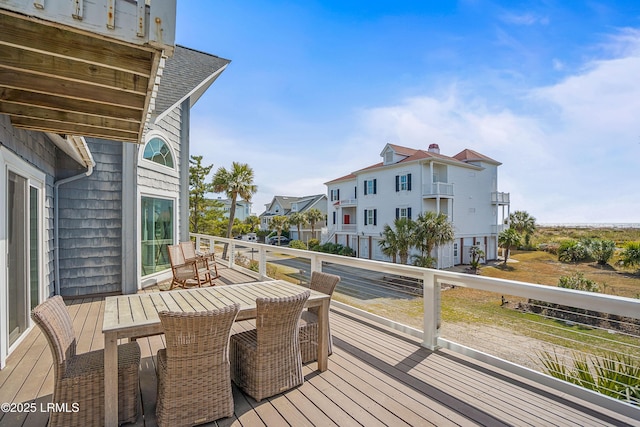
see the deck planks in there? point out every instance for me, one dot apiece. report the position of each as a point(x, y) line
point(376, 377)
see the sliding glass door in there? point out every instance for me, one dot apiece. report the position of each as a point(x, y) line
point(23, 244)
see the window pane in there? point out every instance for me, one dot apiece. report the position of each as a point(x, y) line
point(157, 151)
point(157, 234)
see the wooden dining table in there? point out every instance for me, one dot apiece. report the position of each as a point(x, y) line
point(136, 315)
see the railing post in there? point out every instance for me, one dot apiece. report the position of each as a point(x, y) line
point(262, 262)
point(232, 248)
point(315, 265)
point(431, 297)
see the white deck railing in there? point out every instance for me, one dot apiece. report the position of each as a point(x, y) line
point(514, 324)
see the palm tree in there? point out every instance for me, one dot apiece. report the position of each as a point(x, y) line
point(252, 221)
point(508, 239)
point(431, 230)
point(524, 224)
point(313, 216)
point(235, 182)
point(279, 223)
point(389, 243)
point(398, 241)
point(298, 220)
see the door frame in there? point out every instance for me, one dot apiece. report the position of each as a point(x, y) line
point(10, 162)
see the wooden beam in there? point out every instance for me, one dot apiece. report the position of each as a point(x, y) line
point(57, 127)
point(70, 105)
point(66, 89)
point(21, 60)
point(29, 111)
point(61, 41)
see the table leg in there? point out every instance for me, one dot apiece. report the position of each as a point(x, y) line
point(110, 380)
point(323, 336)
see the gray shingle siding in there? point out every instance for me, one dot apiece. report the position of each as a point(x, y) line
point(36, 149)
point(90, 225)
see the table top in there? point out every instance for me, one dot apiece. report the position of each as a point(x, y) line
point(137, 314)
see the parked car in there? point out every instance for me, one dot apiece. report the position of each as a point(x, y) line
point(274, 240)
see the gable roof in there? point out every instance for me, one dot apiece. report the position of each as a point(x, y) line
point(304, 203)
point(468, 155)
point(187, 74)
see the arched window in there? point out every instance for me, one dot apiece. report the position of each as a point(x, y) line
point(156, 150)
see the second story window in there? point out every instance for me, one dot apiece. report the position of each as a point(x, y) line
point(370, 186)
point(403, 182)
point(403, 213)
point(335, 195)
point(156, 150)
point(370, 217)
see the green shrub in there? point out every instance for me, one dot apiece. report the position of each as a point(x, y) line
point(602, 250)
point(333, 248)
point(578, 282)
point(573, 251)
point(297, 244)
point(613, 374)
point(630, 255)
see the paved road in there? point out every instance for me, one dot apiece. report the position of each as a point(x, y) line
point(357, 282)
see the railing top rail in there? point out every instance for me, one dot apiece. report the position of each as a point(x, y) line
point(611, 304)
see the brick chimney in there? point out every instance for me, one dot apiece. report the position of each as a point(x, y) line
point(434, 148)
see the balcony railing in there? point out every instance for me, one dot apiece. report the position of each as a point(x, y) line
point(512, 325)
point(437, 189)
point(500, 198)
point(348, 202)
point(351, 228)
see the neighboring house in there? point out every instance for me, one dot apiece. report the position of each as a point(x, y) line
point(409, 182)
point(286, 205)
point(84, 213)
point(243, 208)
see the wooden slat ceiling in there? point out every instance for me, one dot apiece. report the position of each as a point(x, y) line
point(61, 80)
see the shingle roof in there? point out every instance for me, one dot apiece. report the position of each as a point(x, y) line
point(188, 73)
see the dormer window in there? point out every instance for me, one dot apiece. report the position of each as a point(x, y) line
point(388, 157)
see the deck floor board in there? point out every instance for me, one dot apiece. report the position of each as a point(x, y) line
point(376, 376)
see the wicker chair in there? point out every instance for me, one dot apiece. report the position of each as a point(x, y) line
point(186, 272)
point(79, 378)
point(205, 260)
point(325, 283)
point(194, 383)
point(266, 361)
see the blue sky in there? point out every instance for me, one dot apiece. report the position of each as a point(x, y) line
point(316, 89)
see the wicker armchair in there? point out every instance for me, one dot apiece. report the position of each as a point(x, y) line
point(266, 361)
point(194, 383)
point(186, 272)
point(205, 260)
point(325, 283)
point(79, 378)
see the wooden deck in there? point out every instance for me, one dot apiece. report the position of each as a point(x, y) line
point(376, 377)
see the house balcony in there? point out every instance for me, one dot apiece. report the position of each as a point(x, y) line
point(500, 198)
point(437, 189)
point(346, 228)
point(498, 228)
point(391, 367)
point(348, 202)
point(84, 68)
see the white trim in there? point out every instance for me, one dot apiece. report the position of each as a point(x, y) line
point(157, 167)
point(156, 194)
point(35, 178)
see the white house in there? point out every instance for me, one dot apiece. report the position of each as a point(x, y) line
point(409, 182)
point(286, 205)
point(243, 208)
